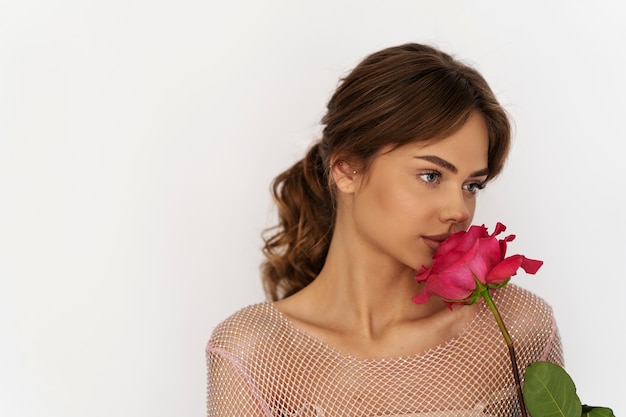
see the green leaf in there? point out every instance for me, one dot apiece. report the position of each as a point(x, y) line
point(589, 411)
point(549, 391)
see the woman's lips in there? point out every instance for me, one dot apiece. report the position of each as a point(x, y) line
point(433, 242)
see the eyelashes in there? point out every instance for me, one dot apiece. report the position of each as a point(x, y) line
point(432, 178)
point(474, 187)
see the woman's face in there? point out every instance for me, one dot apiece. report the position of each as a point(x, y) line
point(417, 194)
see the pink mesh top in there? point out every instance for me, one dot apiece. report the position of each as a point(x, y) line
point(260, 364)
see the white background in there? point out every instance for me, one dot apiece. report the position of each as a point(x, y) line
point(138, 140)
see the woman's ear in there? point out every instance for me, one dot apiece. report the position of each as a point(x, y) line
point(345, 176)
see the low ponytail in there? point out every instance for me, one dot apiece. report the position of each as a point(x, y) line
point(296, 248)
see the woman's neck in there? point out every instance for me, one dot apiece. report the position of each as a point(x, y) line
point(368, 318)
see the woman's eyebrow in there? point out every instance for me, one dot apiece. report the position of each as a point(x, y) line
point(450, 167)
point(439, 161)
point(482, 173)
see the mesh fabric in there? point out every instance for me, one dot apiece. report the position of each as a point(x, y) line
point(260, 364)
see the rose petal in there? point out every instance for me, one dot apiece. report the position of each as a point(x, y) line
point(449, 286)
point(449, 244)
point(461, 241)
point(503, 247)
point(423, 274)
point(487, 256)
point(452, 285)
point(531, 266)
point(454, 260)
point(498, 229)
point(421, 297)
point(505, 269)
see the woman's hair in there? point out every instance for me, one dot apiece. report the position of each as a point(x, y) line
point(399, 95)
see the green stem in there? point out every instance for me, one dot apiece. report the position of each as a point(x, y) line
point(509, 342)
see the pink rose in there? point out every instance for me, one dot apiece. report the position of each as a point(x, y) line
point(470, 256)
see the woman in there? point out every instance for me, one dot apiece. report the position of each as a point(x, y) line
point(411, 135)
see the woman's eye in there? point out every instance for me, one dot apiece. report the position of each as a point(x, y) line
point(431, 177)
point(474, 187)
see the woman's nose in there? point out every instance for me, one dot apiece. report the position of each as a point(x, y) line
point(456, 209)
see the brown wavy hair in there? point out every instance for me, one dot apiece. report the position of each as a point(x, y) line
point(399, 95)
